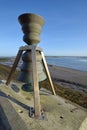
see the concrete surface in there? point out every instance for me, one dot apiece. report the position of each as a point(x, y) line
point(61, 114)
point(9, 118)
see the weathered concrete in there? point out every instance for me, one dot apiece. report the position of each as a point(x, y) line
point(61, 114)
point(83, 125)
point(9, 119)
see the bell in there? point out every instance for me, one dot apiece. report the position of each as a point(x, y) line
point(31, 27)
point(26, 70)
point(34, 63)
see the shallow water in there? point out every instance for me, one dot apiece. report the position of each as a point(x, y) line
point(78, 63)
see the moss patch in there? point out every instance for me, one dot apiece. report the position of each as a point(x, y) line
point(4, 59)
point(5, 70)
point(68, 93)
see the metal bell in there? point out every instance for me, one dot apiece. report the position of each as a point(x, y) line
point(26, 70)
point(31, 27)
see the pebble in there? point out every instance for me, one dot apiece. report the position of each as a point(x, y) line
point(8, 95)
point(20, 111)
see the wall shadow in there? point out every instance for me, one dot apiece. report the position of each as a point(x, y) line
point(4, 123)
point(15, 101)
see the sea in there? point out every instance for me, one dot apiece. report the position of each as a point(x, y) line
point(73, 62)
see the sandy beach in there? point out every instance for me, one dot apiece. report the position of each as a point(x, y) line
point(68, 75)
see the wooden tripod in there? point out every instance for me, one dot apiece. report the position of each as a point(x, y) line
point(35, 75)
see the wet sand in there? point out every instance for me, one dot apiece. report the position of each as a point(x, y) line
point(68, 75)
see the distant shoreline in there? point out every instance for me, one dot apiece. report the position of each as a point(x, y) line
point(45, 56)
point(72, 62)
point(68, 56)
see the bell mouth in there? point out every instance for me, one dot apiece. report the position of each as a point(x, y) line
point(31, 27)
point(28, 87)
point(30, 17)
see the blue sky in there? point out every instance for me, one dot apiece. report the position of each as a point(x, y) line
point(64, 32)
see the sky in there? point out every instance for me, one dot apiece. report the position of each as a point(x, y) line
point(63, 34)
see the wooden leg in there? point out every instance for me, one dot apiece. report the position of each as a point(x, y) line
point(47, 72)
point(35, 84)
point(14, 66)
